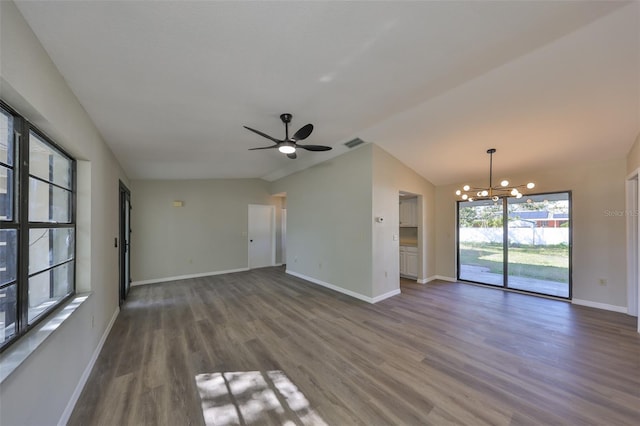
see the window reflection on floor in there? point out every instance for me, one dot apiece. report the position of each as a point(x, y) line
point(251, 397)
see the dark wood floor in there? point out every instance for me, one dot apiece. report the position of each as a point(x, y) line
point(440, 353)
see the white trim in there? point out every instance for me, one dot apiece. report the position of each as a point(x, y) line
point(333, 287)
point(385, 295)
point(598, 305)
point(632, 189)
point(424, 280)
point(441, 278)
point(185, 277)
point(283, 235)
point(13, 357)
point(633, 174)
point(66, 414)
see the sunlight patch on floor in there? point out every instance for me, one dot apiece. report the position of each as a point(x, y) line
point(251, 397)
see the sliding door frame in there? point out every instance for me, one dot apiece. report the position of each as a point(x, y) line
point(505, 248)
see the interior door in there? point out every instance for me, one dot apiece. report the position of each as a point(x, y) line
point(284, 236)
point(125, 242)
point(261, 235)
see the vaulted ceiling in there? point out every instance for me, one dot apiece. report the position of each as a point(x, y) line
point(170, 84)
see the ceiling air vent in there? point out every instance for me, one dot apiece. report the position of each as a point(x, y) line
point(353, 143)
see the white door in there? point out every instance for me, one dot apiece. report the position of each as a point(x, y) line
point(262, 236)
point(284, 236)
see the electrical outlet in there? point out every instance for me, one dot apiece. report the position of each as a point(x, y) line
point(602, 281)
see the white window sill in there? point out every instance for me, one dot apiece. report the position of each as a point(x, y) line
point(15, 355)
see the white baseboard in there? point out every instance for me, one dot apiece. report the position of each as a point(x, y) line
point(344, 290)
point(66, 414)
point(428, 279)
point(441, 278)
point(185, 277)
point(605, 306)
point(385, 295)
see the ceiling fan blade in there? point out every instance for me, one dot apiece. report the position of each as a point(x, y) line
point(303, 133)
point(314, 147)
point(293, 155)
point(264, 147)
point(264, 135)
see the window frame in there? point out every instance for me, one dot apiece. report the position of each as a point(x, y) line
point(505, 247)
point(22, 130)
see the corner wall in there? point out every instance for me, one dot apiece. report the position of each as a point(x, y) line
point(390, 176)
point(329, 221)
point(599, 239)
point(39, 391)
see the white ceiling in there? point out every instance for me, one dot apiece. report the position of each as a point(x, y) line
point(170, 84)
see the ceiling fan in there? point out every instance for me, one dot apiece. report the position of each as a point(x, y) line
point(288, 145)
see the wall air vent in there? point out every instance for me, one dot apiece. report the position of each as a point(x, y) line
point(353, 143)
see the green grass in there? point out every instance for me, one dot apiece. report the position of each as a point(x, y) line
point(541, 262)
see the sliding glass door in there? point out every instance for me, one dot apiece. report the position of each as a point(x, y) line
point(522, 244)
point(481, 242)
point(539, 244)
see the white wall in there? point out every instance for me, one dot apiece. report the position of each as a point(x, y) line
point(329, 216)
point(207, 234)
point(599, 240)
point(390, 176)
point(39, 390)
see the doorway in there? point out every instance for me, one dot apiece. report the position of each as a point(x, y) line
point(124, 252)
point(261, 236)
point(410, 215)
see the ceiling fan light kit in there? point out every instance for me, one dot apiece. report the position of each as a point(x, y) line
point(289, 145)
point(494, 193)
point(287, 148)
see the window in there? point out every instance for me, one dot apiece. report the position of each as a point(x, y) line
point(523, 244)
point(37, 239)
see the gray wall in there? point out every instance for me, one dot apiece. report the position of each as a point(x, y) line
point(207, 234)
point(599, 239)
point(329, 216)
point(39, 390)
point(330, 207)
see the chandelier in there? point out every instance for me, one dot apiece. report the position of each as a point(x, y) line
point(494, 193)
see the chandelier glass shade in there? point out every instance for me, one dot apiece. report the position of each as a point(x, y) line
point(469, 193)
